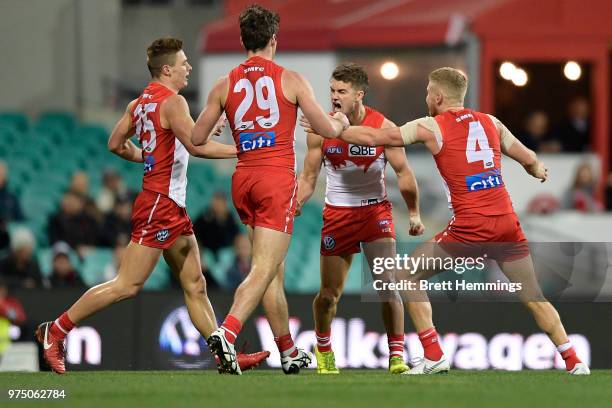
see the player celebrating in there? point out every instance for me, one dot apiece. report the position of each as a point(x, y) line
point(467, 147)
point(356, 211)
point(160, 224)
point(260, 99)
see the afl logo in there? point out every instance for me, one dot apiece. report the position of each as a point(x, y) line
point(162, 235)
point(329, 243)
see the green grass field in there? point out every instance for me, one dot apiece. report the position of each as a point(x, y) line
point(353, 388)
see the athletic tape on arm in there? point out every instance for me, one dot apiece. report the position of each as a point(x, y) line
point(409, 130)
point(506, 137)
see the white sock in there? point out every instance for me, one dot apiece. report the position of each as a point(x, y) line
point(564, 347)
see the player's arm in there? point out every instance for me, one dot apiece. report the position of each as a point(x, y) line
point(406, 182)
point(417, 131)
point(513, 148)
point(175, 111)
point(312, 166)
point(209, 117)
point(321, 123)
point(119, 141)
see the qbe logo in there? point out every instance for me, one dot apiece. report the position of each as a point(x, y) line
point(361, 151)
point(483, 181)
point(256, 140)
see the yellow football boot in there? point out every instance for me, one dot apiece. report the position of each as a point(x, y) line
point(326, 362)
point(397, 365)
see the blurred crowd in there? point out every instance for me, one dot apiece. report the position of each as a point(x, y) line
point(84, 223)
point(572, 135)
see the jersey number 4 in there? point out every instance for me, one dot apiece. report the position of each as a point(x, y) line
point(478, 138)
point(264, 103)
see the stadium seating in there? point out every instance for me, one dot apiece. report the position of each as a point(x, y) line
point(43, 154)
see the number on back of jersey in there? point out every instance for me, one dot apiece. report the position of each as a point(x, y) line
point(477, 148)
point(264, 102)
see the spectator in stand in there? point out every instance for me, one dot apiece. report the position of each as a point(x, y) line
point(10, 209)
point(242, 263)
point(73, 225)
point(575, 132)
point(113, 190)
point(10, 307)
point(117, 223)
point(80, 187)
point(19, 268)
point(216, 228)
point(536, 135)
point(581, 195)
point(63, 273)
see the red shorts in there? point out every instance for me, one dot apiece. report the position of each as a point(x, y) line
point(157, 221)
point(499, 235)
point(344, 228)
point(265, 197)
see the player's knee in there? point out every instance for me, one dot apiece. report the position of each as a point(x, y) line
point(328, 298)
point(125, 290)
point(195, 286)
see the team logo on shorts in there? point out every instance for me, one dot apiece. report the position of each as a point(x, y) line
point(385, 225)
point(162, 235)
point(149, 163)
point(329, 243)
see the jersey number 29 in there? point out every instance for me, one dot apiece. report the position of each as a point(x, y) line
point(477, 136)
point(264, 103)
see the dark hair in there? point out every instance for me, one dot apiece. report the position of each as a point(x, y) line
point(162, 52)
point(353, 74)
point(257, 26)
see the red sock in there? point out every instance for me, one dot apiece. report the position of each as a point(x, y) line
point(61, 326)
point(323, 341)
point(430, 343)
point(285, 345)
point(232, 327)
point(396, 345)
point(569, 356)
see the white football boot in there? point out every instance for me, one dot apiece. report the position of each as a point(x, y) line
point(422, 366)
point(580, 369)
point(224, 350)
point(292, 365)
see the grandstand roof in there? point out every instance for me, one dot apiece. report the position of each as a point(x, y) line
point(332, 24)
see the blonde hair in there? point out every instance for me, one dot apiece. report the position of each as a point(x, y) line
point(452, 82)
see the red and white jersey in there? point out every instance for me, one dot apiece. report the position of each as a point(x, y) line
point(262, 120)
point(165, 157)
point(355, 174)
point(470, 164)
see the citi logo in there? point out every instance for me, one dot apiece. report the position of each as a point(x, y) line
point(256, 140)
point(483, 181)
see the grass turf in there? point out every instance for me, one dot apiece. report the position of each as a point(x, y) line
point(353, 388)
